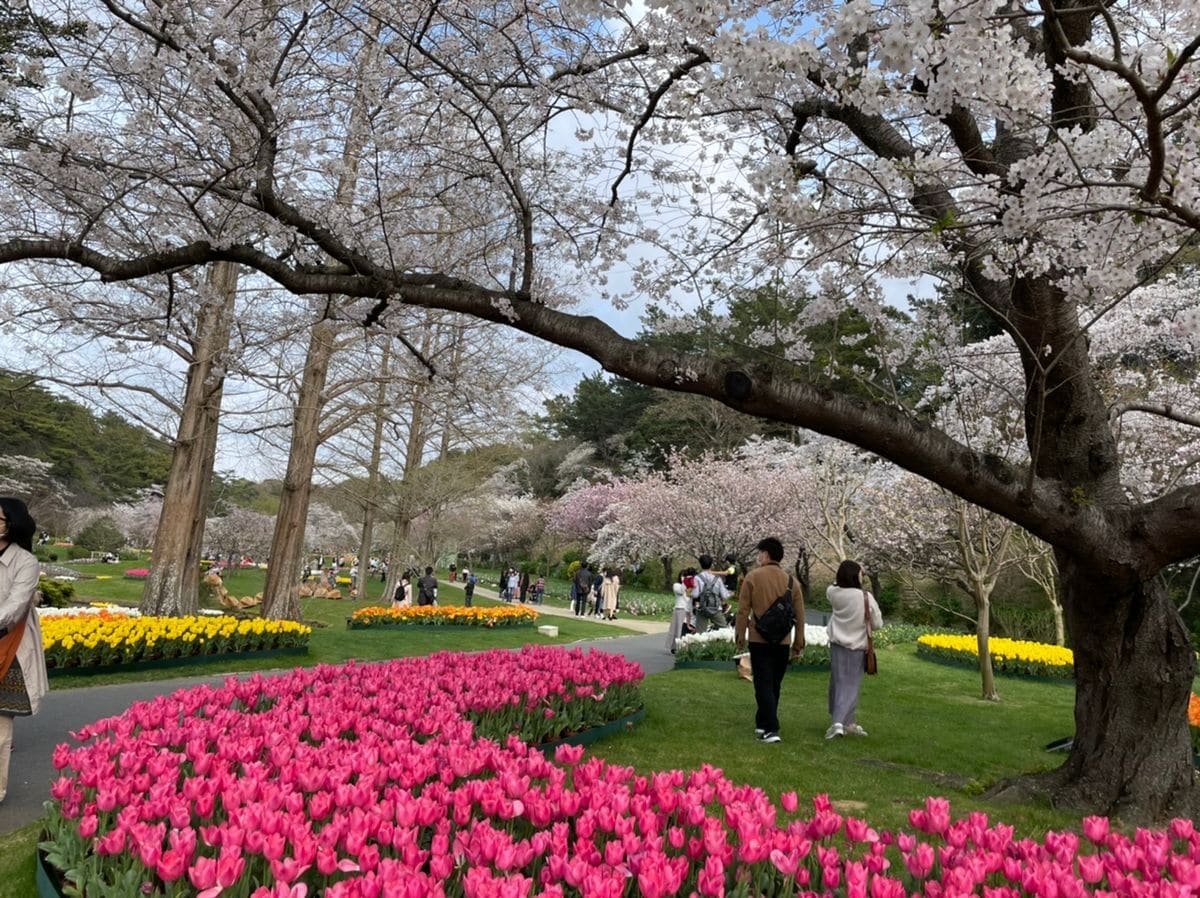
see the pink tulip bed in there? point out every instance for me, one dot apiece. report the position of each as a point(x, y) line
point(422, 777)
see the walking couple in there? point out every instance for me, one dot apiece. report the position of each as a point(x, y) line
point(852, 605)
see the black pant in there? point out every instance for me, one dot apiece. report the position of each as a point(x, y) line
point(468, 594)
point(768, 663)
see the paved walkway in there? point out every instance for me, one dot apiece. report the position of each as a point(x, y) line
point(65, 710)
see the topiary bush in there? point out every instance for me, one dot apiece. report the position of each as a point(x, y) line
point(56, 593)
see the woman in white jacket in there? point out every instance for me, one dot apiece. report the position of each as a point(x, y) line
point(851, 605)
point(22, 665)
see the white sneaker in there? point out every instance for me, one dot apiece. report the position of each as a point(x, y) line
point(769, 738)
point(834, 731)
point(855, 730)
point(759, 732)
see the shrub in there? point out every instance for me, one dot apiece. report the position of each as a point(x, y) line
point(56, 593)
point(101, 535)
point(573, 569)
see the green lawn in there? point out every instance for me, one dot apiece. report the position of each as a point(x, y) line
point(930, 735)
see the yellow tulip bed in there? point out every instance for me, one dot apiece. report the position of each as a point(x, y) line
point(101, 640)
point(1012, 656)
point(443, 616)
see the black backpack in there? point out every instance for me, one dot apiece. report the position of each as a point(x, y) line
point(778, 620)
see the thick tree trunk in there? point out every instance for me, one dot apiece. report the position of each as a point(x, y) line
point(281, 597)
point(1134, 667)
point(370, 505)
point(173, 587)
point(668, 566)
point(414, 451)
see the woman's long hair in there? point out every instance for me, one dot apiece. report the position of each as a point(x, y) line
point(20, 527)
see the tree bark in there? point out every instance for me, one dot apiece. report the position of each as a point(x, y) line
point(371, 503)
point(173, 587)
point(414, 451)
point(983, 631)
point(668, 566)
point(1134, 667)
point(281, 597)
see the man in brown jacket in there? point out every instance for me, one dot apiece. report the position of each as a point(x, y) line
point(768, 662)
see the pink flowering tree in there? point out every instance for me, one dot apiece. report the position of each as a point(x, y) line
point(705, 505)
point(581, 512)
point(1040, 159)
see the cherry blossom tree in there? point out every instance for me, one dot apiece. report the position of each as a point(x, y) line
point(584, 510)
point(1040, 157)
point(704, 505)
point(31, 480)
point(242, 531)
point(916, 528)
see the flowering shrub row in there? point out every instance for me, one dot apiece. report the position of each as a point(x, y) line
point(444, 616)
point(718, 645)
point(395, 780)
point(103, 638)
point(137, 573)
point(1035, 659)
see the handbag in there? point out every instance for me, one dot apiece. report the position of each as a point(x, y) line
point(8, 646)
point(870, 663)
point(778, 620)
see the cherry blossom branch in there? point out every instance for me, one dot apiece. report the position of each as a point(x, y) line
point(1162, 409)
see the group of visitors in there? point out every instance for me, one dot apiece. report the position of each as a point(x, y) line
point(518, 586)
point(596, 594)
point(855, 614)
point(702, 598)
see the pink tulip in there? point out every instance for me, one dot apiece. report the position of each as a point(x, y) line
point(1096, 829)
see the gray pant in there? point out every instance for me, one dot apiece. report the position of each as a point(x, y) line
point(714, 620)
point(845, 678)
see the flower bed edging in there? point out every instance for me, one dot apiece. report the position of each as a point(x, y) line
point(439, 625)
point(594, 734)
point(183, 661)
point(43, 879)
point(973, 664)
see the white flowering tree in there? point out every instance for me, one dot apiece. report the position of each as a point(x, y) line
point(242, 531)
point(1043, 157)
point(916, 528)
point(32, 480)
